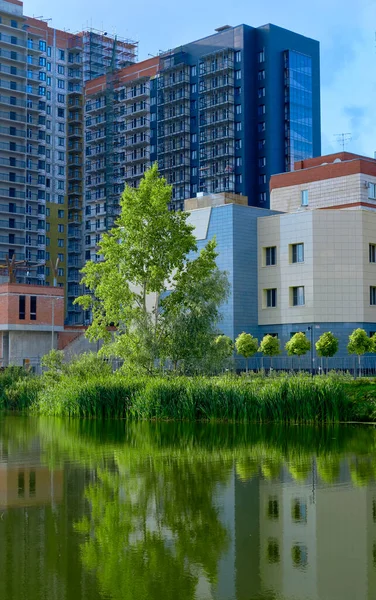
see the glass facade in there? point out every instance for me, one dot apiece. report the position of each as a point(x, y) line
point(298, 108)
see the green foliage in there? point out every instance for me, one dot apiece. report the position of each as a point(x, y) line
point(53, 361)
point(359, 343)
point(282, 399)
point(327, 345)
point(162, 305)
point(23, 393)
point(88, 365)
point(270, 346)
point(10, 378)
point(224, 346)
point(190, 313)
point(298, 345)
point(246, 345)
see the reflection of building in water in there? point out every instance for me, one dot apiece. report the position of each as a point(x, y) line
point(317, 540)
point(29, 485)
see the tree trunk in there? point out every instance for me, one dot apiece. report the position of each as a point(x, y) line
point(360, 370)
point(246, 365)
point(271, 364)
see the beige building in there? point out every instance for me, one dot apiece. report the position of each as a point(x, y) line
point(317, 266)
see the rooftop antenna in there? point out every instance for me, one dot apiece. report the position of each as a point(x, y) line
point(343, 139)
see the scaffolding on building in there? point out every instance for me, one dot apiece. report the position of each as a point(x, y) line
point(102, 52)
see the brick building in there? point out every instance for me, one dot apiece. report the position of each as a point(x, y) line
point(31, 318)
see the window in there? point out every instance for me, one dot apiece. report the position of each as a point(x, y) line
point(42, 61)
point(271, 298)
point(261, 127)
point(262, 179)
point(61, 98)
point(48, 226)
point(194, 88)
point(60, 228)
point(273, 551)
point(372, 191)
point(61, 156)
point(194, 155)
point(261, 56)
point(14, 24)
point(372, 253)
point(60, 185)
point(193, 71)
point(298, 296)
point(297, 253)
point(270, 256)
point(61, 54)
point(42, 76)
point(60, 272)
point(299, 554)
point(42, 46)
point(304, 195)
point(21, 307)
point(61, 170)
point(238, 161)
point(60, 214)
point(238, 126)
point(238, 109)
point(261, 144)
point(60, 199)
point(299, 510)
point(60, 69)
point(261, 92)
point(273, 508)
point(33, 308)
point(238, 74)
point(262, 196)
point(262, 162)
point(372, 295)
point(60, 243)
point(261, 75)
point(238, 56)
point(61, 84)
point(61, 113)
point(261, 109)
point(60, 141)
point(61, 257)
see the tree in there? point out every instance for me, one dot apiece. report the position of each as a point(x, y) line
point(359, 343)
point(298, 345)
point(326, 346)
point(223, 351)
point(246, 345)
point(270, 346)
point(142, 259)
point(191, 312)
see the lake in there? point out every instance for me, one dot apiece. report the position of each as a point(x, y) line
point(172, 511)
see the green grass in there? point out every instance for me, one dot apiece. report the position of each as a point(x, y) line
point(292, 399)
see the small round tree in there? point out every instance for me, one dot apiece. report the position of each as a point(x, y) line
point(270, 346)
point(359, 343)
point(298, 345)
point(326, 346)
point(224, 347)
point(246, 345)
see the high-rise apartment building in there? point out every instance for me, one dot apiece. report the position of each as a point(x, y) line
point(220, 114)
point(79, 118)
point(42, 75)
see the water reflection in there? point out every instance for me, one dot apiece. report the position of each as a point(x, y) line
point(163, 511)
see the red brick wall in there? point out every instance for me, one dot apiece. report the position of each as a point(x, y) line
point(322, 172)
point(9, 305)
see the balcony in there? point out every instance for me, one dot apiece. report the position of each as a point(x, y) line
point(74, 232)
point(13, 40)
point(74, 190)
point(74, 204)
point(137, 124)
point(74, 276)
point(17, 255)
point(12, 224)
point(11, 240)
point(166, 98)
point(165, 165)
point(174, 113)
point(12, 179)
point(12, 116)
point(74, 247)
point(7, 54)
point(7, 193)
point(74, 132)
point(214, 65)
point(172, 79)
point(92, 107)
point(12, 132)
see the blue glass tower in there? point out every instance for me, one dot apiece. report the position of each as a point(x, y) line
point(232, 109)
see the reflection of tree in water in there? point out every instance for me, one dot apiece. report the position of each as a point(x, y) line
point(328, 467)
point(154, 528)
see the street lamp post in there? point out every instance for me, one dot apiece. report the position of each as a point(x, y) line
point(310, 329)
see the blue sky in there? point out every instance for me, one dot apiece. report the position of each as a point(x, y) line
point(345, 29)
